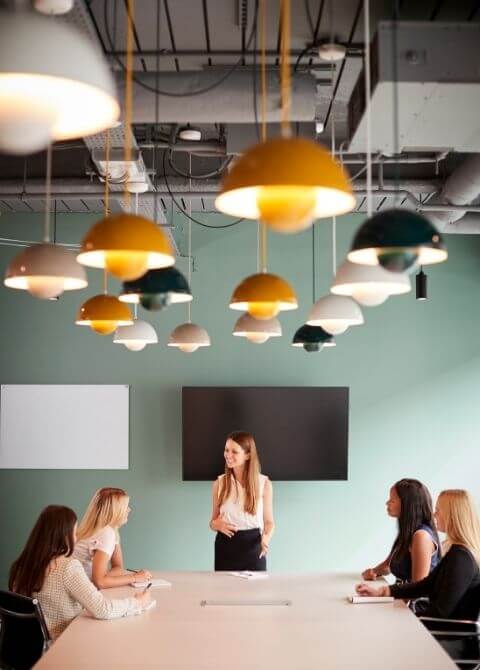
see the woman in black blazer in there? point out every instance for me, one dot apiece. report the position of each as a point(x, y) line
point(452, 587)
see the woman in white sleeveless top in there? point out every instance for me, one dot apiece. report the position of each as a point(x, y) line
point(242, 512)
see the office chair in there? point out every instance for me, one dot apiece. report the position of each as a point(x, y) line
point(24, 634)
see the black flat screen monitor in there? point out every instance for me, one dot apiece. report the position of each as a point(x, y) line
point(301, 433)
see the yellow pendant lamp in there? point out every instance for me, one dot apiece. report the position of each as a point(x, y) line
point(287, 182)
point(263, 296)
point(104, 313)
point(126, 245)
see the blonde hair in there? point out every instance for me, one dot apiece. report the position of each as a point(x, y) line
point(107, 508)
point(462, 524)
point(252, 473)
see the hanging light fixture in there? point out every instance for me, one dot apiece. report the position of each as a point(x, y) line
point(137, 336)
point(398, 239)
point(104, 313)
point(256, 330)
point(312, 338)
point(370, 285)
point(157, 289)
point(286, 182)
point(45, 270)
point(421, 285)
point(263, 296)
point(126, 245)
point(54, 84)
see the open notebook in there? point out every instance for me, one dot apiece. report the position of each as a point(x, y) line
point(156, 584)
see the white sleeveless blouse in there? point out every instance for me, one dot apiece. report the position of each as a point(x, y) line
point(233, 509)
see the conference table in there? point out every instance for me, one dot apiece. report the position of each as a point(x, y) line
point(217, 620)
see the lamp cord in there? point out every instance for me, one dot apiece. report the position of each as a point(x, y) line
point(332, 146)
point(395, 116)
point(262, 238)
point(285, 75)
point(313, 265)
point(48, 190)
point(106, 199)
point(189, 206)
point(128, 95)
point(368, 115)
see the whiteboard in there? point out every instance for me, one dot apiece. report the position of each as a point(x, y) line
point(64, 427)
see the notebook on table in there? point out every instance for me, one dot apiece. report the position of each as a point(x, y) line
point(156, 584)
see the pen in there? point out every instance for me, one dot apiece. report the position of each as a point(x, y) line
point(147, 587)
point(132, 570)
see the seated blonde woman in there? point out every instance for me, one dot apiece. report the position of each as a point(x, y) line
point(98, 545)
point(452, 586)
point(47, 571)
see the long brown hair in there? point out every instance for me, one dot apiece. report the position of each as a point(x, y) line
point(251, 482)
point(107, 508)
point(52, 536)
point(416, 510)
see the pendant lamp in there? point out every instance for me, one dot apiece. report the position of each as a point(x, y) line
point(54, 83)
point(104, 313)
point(127, 245)
point(45, 270)
point(157, 289)
point(286, 182)
point(137, 336)
point(188, 337)
point(312, 338)
point(370, 285)
point(263, 296)
point(256, 330)
point(398, 239)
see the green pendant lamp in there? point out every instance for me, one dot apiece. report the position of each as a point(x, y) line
point(157, 289)
point(312, 338)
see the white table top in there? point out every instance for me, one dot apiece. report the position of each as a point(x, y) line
point(320, 629)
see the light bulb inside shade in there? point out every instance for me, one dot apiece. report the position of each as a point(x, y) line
point(188, 348)
point(287, 209)
point(257, 338)
point(263, 310)
point(333, 326)
point(312, 347)
point(369, 296)
point(126, 265)
point(24, 127)
point(397, 260)
point(135, 345)
point(45, 287)
point(103, 327)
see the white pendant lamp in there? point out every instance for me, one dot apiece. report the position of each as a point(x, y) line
point(53, 6)
point(45, 270)
point(257, 331)
point(137, 336)
point(370, 285)
point(335, 313)
point(54, 83)
point(188, 337)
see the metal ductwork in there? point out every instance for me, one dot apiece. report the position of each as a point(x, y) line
point(462, 187)
point(232, 102)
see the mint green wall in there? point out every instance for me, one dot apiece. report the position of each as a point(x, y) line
point(413, 371)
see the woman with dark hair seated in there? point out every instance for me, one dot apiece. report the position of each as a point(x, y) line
point(46, 570)
point(416, 550)
point(452, 587)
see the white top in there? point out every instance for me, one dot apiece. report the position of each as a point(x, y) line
point(104, 540)
point(233, 509)
point(319, 630)
point(67, 590)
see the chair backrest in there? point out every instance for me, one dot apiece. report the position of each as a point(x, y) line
point(23, 631)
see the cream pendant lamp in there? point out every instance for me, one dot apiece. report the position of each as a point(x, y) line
point(137, 336)
point(370, 285)
point(127, 245)
point(45, 270)
point(286, 182)
point(256, 330)
point(188, 337)
point(54, 83)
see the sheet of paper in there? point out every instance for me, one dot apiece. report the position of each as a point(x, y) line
point(368, 600)
point(247, 574)
point(156, 584)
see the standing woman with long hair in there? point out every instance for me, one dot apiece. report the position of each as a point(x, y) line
point(98, 547)
point(242, 513)
point(416, 550)
point(453, 586)
point(47, 571)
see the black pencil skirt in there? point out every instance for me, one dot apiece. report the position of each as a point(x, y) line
point(240, 552)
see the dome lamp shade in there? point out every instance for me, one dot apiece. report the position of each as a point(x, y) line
point(127, 245)
point(397, 239)
point(263, 296)
point(286, 183)
point(188, 337)
point(335, 313)
point(137, 336)
point(369, 285)
point(46, 271)
point(256, 330)
point(54, 83)
point(312, 338)
point(157, 289)
point(104, 313)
